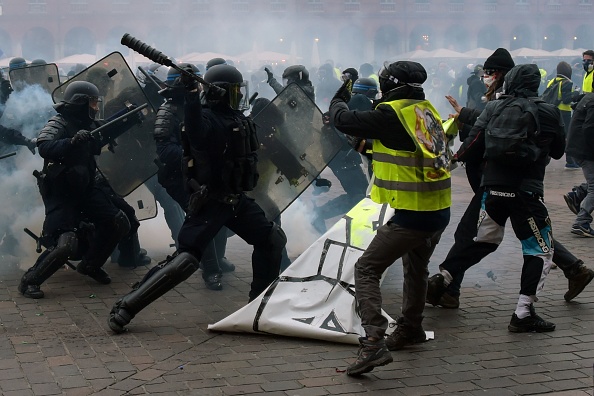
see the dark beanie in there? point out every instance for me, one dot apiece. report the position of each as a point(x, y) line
point(500, 60)
point(564, 68)
point(408, 72)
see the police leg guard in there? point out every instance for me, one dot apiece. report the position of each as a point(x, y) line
point(47, 264)
point(159, 280)
point(266, 261)
point(104, 242)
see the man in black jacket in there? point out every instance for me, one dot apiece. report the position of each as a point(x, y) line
point(580, 146)
point(515, 189)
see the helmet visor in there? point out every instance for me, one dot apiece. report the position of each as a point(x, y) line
point(239, 96)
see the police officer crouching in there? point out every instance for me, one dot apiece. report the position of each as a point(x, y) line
point(219, 145)
point(70, 196)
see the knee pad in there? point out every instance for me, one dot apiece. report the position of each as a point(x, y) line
point(121, 224)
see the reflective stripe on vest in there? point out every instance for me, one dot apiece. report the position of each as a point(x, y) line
point(419, 180)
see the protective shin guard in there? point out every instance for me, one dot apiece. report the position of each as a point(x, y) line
point(166, 277)
point(266, 261)
point(50, 261)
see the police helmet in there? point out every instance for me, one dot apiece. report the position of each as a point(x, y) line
point(160, 74)
point(229, 78)
point(17, 63)
point(38, 62)
point(214, 62)
point(78, 92)
point(295, 73)
point(84, 95)
point(174, 75)
point(366, 86)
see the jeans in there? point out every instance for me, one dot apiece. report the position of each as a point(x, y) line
point(587, 206)
point(391, 243)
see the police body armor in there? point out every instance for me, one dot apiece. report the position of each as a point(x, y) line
point(75, 173)
point(236, 172)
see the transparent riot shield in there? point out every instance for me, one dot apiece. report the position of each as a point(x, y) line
point(295, 146)
point(129, 160)
point(46, 76)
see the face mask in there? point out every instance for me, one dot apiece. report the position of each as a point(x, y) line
point(588, 65)
point(488, 80)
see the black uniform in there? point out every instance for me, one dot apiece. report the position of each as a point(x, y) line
point(219, 152)
point(71, 198)
point(167, 134)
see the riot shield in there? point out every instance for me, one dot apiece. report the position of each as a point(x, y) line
point(143, 202)
point(46, 76)
point(295, 146)
point(128, 161)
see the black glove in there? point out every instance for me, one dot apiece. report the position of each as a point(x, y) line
point(189, 82)
point(215, 92)
point(344, 92)
point(269, 74)
point(354, 141)
point(31, 144)
point(81, 136)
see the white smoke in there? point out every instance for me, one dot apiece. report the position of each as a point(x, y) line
point(26, 111)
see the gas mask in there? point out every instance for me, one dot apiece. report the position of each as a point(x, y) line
point(588, 65)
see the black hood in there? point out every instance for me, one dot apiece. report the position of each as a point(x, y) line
point(522, 81)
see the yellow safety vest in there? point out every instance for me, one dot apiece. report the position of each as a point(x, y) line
point(562, 106)
point(587, 83)
point(419, 180)
point(374, 77)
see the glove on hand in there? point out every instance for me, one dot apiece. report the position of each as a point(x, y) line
point(31, 144)
point(354, 141)
point(81, 136)
point(269, 74)
point(344, 92)
point(188, 82)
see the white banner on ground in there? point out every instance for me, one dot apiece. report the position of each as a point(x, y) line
point(315, 296)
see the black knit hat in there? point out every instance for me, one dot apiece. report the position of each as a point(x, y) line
point(500, 60)
point(404, 72)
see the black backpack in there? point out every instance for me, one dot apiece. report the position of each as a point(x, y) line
point(511, 132)
point(551, 94)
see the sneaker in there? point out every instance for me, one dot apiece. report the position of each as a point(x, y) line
point(225, 265)
point(31, 291)
point(98, 274)
point(372, 354)
point(572, 202)
point(532, 323)
point(448, 301)
point(404, 336)
point(583, 230)
point(578, 282)
point(213, 282)
point(572, 166)
point(435, 289)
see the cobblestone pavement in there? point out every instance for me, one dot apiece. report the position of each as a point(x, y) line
point(62, 345)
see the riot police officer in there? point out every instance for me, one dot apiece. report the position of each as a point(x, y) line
point(220, 159)
point(297, 74)
point(70, 196)
point(167, 134)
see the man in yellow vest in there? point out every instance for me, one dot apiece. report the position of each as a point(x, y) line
point(588, 64)
point(411, 168)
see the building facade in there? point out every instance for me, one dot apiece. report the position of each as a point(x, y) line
point(336, 29)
